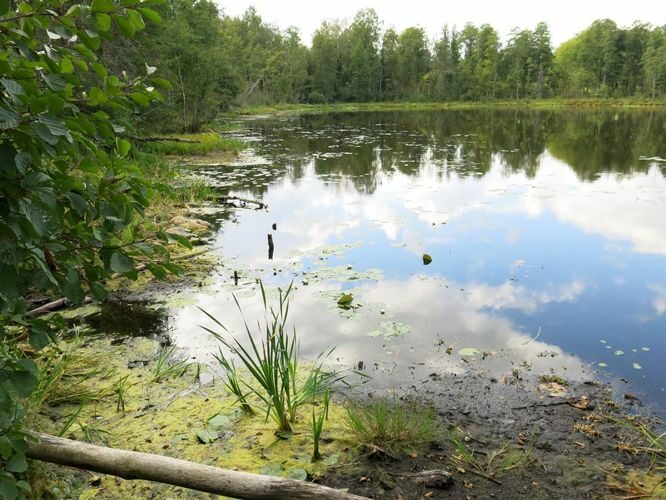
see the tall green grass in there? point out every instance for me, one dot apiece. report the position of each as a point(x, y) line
point(273, 365)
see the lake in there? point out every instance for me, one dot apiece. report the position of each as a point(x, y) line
point(546, 229)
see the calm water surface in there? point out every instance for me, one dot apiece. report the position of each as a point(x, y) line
point(547, 232)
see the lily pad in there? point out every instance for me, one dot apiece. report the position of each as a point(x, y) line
point(619, 352)
point(389, 329)
point(219, 422)
point(345, 300)
point(602, 365)
point(206, 437)
point(426, 259)
point(297, 473)
point(271, 470)
point(468, 351)
point(637, 366)
point(646, 349)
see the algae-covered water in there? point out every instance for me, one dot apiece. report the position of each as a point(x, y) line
point(547, 233)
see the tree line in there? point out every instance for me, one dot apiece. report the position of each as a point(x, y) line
point(213, 60)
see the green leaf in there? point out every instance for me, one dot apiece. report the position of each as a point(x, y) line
point(124, 147)
point(72, 287)
point(22, 381)
point(139, 98)
point(5, 447)
point(157, 271)
point(219, 422)
point(181, 240)
point(4, 7)
point(103, 22)
point(297, 473)
point(8, 490)
point(120, 262)
point(125, 25)
point(161, 82)
point(150, 14)
point(66, 65)
point(102, 6)
point(17, 463)
point(8, 118)
point(426, 259)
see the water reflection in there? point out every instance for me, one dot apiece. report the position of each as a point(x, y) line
point(546, 231)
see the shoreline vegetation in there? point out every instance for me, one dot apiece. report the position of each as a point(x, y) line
point(546, 104)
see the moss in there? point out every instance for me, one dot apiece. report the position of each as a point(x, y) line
point(164, 418)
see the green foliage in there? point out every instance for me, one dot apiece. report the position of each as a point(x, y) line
point(317, 424)
point(274, 366)
point(201, 144)
point(392, 428)
point(68, 195)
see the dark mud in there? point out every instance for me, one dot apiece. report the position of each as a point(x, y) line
point(526, 444)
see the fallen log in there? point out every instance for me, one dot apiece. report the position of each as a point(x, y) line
point(227, 199)
point(161, 469)
point(163, 139)
point(52, 306)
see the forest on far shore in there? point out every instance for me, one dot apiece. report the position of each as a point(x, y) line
point(213, 60)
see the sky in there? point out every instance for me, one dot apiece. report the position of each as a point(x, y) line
point(565, 18)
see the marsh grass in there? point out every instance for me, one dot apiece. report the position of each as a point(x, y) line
point(233, 383)
point(317, 425)
point(393, 428)
point(489, 465)
point(273, 364)
point(644, 439)
point(206, 142)
point(65, 378)
point(165, 368)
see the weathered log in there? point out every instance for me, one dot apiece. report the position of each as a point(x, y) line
point(227, 199)
point(163, 139)
point(52, 306)
point(161, 469)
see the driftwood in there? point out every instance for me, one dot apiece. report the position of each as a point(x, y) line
point(135, 465)
point(52, 306)
point(228, 199)
point(163, 139)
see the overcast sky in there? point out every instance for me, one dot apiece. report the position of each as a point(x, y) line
point(565, 17)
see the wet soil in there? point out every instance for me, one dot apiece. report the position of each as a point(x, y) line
point(550, 447)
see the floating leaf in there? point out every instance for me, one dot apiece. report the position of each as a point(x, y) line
point(637, 366)
point(271, 470)
point(603, 341)
point(206, 437)
point(297, 473)
point(426, 259)
point(619, 352)
point(602, 365)
point(389, 329)
point(468, 351)
point(646, 349)
point(345, 300)
point(219, 422)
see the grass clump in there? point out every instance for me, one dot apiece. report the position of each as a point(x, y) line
point(392, 428)
point(273, 364)
point(199, 144)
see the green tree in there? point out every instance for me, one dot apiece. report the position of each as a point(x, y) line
point(389, 65)
point(654, 63)
point(363, 65)
point(325, 62)
point(70, 201)
point(413, 59)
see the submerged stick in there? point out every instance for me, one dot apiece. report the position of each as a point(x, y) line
point(161, 469)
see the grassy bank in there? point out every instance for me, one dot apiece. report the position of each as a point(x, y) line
point(424, 106)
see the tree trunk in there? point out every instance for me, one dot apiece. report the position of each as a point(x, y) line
point(135, 465)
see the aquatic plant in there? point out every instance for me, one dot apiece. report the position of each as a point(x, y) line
point(164, 369)
point(317, 425)
point(273, 364)
point(391, 428)
point(488, 465)
point(233, 382)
